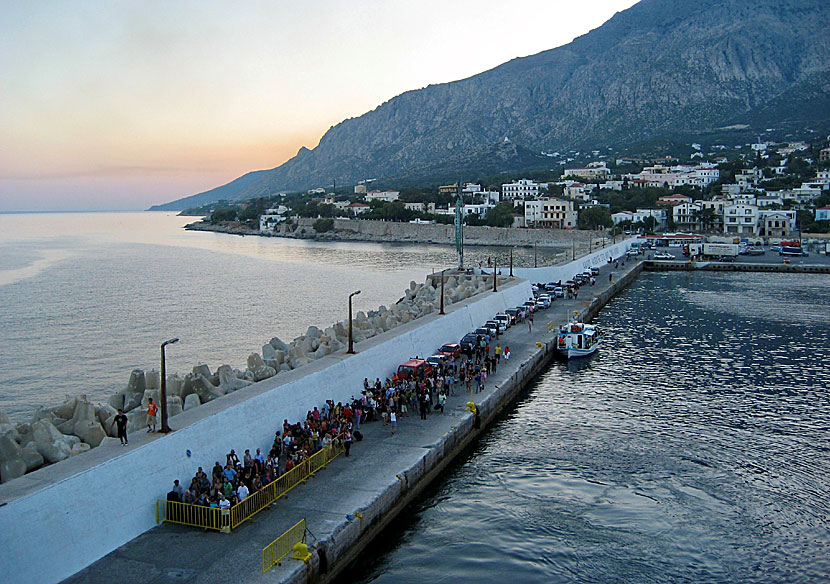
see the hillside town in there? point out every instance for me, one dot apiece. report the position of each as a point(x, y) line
point(769, 191)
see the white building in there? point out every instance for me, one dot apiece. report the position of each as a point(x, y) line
point(386, 196)
point(358, 208)
point(480, 210)
point(271, 218)
point(640, 216)
point(740, 219)
point(550, 212)
point(521, 189)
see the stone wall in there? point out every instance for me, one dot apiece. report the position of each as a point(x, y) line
point(387, 231)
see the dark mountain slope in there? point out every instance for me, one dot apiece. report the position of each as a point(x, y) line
point(661, 68)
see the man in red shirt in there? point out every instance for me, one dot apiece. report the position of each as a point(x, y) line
point(152, 410)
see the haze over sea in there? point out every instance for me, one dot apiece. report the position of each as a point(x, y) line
point(692, 448)
point(87, 297)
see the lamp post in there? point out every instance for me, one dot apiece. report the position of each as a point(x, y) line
point(495, 271)
point(442, 292)
point(535, 265)
point(511, 262)
point(351, 340)
point(164, 427)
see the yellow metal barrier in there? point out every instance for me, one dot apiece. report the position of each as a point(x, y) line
point(228, 519)
point(274, 552)
point(194, 515)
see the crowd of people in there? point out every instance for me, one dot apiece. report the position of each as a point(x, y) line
point(235, 479)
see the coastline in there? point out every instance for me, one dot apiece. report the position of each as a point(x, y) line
point(392, 232)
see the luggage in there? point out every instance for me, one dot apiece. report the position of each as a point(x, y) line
point(358, 435)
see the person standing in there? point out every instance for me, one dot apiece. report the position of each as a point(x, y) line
point(347, 441)
point(393, 419)
point(530, 322)
point(121, 421)
point(152, 410)
point(507, 353)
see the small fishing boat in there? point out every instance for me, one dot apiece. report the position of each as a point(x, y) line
point(577, 339)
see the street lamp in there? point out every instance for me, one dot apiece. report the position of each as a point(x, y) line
point(511, 262)
point(351, 340)
point(442, 292)
point(495, 271)
point(164, 427)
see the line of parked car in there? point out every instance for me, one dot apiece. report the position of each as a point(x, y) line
point(543, 296)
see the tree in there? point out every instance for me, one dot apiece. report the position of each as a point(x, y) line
point(501, 215)
point(223, 215)
point(323, 225)
point(594, 218)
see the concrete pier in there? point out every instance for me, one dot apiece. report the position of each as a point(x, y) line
point(353, 499)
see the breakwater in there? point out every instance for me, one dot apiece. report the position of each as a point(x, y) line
point(53, 509)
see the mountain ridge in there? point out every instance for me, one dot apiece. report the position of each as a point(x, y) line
point(661, 67)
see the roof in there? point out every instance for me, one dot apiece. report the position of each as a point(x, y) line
point(359, 205)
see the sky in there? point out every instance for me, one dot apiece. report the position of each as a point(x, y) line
point(120, 105)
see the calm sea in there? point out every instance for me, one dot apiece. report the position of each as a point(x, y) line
point(87, 297)
point(694, 447)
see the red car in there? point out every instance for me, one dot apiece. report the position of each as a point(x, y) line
point(416, 367)
point(450, 350)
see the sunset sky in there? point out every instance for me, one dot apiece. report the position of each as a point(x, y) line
point(120, 105)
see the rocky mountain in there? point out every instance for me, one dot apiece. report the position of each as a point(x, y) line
point(661, 68)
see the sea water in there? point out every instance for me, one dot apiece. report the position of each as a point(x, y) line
point(87, 297)
point(694, 447)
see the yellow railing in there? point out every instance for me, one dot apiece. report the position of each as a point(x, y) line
point(196, 515)
point(274, 552)
point(228, 519)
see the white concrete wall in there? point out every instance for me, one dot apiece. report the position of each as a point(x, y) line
point(565, 272)
point(77, 511)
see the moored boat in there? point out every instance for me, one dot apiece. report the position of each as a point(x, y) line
point(577, 339)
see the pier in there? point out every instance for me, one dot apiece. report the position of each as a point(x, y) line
point(349, 504)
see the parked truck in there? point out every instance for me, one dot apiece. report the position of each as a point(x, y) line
point(720, 249)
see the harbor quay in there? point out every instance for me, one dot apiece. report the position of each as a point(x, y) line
point(95, 512)
point(351, 501)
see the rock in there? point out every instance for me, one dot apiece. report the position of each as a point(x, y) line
point(70, 440)
point(152, 379)
point(278, 344)
point(191, 401)
point(313, 331)
point(43, 414)
point(49, 442)
point(228, 380)
point(322, 351)
point(31, 457)
point(187, 386)
point(132, 401)
point(268, 352)
point(116, 401)
point(79, 448)
point(9, 449)
point(202, 370)
point(12, 469)
point(174, 385)
point(174, 405)
point(285, 367)
point(4, 418)
point(66, 409)
point(105, 413)
point(412, 285)
point(205, 389)
point(137, 382)
point(109, 426)
point(136, 420)
point(25, 433)
point(11, 431)
point(90, 432)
